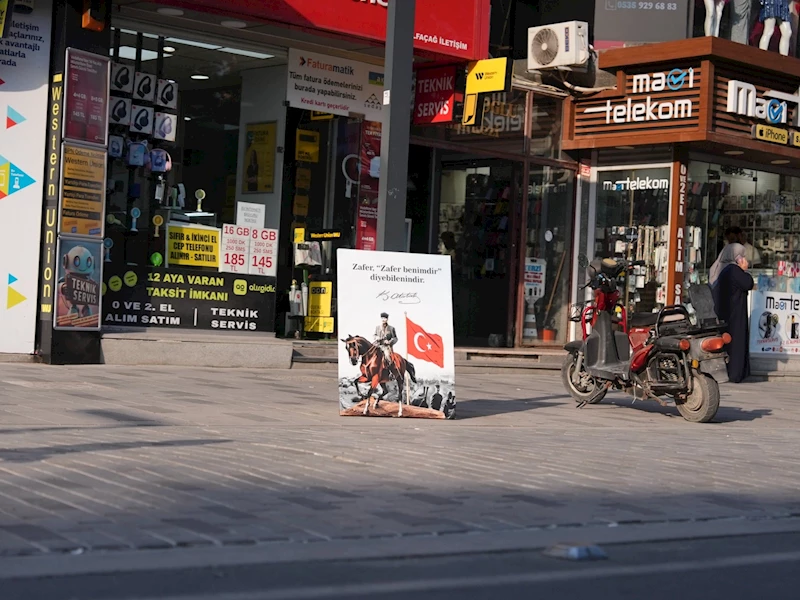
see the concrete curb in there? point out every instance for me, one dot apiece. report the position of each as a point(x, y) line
point(384, 548)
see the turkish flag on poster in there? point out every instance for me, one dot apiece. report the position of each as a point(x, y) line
point(423, 345)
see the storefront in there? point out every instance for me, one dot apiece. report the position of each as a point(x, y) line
point(240, 153)
point(502, 208)
point(698, 142)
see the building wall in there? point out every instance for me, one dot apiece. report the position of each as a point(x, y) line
point(23, 111)
point(263, 97)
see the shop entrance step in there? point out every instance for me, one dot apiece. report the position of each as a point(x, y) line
point(325, 354)
point(547, 358)
point(196, 349)
point(315, 355)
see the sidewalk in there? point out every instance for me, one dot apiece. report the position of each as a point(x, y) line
point(118, 458)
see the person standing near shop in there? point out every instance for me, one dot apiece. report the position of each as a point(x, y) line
point(752, 255)
point(730, 282)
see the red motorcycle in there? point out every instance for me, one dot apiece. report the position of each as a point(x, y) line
point(661, 356)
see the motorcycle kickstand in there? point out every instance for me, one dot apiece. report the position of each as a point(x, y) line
point(585, 402)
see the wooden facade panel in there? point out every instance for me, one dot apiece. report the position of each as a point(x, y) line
point(763, 81)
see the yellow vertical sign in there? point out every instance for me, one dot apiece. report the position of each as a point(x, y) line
point(307, 146)
point(320, 294)
point(259, 157)
point(483, 77)
point(3, 16)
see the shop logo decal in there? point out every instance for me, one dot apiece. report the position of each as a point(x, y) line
point(13, 118)
point(373, 103)
point(775, 110)
point(676, 79)
point(14, 297)
point(12, 178)
point(240, 287)
point(641, 183)
point(323, 66)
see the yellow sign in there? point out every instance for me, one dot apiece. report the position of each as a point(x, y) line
point(795, 139)
point(259, 158)
point(774, 135)
point(320, 116)
point(192, 246)
point(302, 179)
point(3, 15)
point(325, 235)
point(320, 294)
point(299, 235)
point(319, 324)
point(483, 77)
point(300, 208)
point(83, 193)
point(307, 147)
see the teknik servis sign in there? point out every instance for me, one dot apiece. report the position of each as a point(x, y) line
point(635, 110)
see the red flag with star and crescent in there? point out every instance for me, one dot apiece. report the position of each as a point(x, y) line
point(423, 345)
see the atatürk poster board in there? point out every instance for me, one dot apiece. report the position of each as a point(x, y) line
point(414, 290)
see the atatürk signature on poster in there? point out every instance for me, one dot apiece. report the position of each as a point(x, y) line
point(400, 297)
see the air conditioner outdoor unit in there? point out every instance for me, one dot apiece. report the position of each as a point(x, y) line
point(559, 46)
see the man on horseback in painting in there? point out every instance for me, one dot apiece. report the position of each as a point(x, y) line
point(385, 339)
point(385, 336)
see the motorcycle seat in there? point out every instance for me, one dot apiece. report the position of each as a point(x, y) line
point(643, 319)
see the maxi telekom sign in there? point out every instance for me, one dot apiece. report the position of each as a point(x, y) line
point(644, 108)
point(773, 107)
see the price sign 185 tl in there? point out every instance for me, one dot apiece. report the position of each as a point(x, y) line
point(235, 253)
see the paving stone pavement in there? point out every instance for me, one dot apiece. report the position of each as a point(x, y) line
point(101, 458)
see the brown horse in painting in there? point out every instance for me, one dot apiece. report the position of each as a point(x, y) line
point(376, 370)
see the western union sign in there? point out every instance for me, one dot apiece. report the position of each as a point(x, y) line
point(486, 76)
point(483, 77)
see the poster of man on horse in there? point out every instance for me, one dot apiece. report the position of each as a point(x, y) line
point(403, 367)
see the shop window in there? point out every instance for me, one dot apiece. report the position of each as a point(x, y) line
point(546, 127)
point(192, 134)
point(548, 256)
point(756, 208)
point(632, 224)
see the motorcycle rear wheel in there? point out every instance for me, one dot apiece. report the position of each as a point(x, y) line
point(702, 404)
point(580, 393)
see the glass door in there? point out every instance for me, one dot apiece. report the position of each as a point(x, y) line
point(478, 199)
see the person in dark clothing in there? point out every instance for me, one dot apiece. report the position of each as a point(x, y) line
point(730, 282)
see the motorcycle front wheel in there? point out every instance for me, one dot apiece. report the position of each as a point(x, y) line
point(584, 391)
point(703, 403)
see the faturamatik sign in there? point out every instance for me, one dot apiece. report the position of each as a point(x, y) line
point(706, 90)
